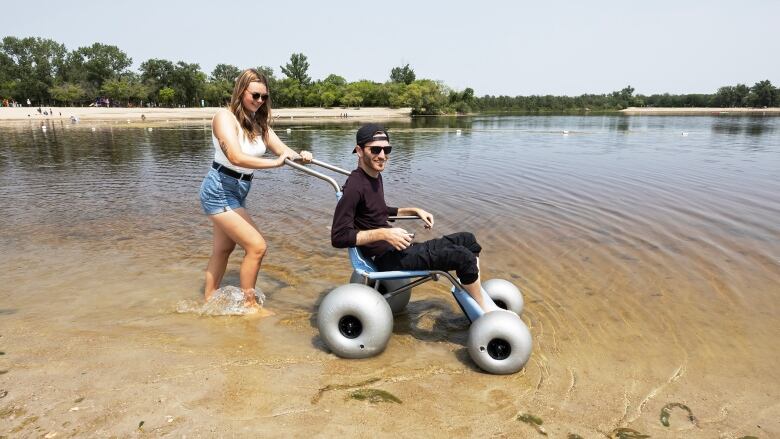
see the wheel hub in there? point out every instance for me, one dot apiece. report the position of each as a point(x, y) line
point(350, 327)
point(499, 349)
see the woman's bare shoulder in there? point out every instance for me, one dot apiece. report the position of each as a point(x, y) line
point(223, 120)
point(223, 114)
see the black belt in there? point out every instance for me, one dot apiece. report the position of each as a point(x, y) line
point(230, 172)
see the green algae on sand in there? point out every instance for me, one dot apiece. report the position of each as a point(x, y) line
point(532, 420)
point(627, 433)
point(666, 412)
point(374, 396)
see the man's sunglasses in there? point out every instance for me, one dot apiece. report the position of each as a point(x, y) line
point(377, 149)
point(257, 96)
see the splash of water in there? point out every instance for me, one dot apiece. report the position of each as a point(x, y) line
point(226, 301)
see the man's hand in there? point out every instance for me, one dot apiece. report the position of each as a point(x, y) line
point(397, 237)
point(426, 217)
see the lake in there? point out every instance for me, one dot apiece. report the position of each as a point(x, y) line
point(647, 247)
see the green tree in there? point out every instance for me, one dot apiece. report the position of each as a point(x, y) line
point(98, 63)
point(425, 97)
point(289, 93)
point(216, 94)
point(116, 89)
point(763, 94)
point(166, 95)
point(220, 88)
point(352, 98)
point(67, 93)
point(726, 97)
point(139, 92)
point(225, 72)
point(335, 80)
point(397, 94)
point(32, 65)
point(328, 99)
point(188, 81)
point(403, 75)
point(157, 71)
point(332, 89)
point(297, 68)
point(157, 74)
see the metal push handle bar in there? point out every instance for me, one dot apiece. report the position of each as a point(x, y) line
point(319, 175)
point(333, 182)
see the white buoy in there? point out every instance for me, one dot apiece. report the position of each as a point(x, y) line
point(93, 129)
point(150, 129)
point(289, 130)
point(458, 132)
point(43, 127)
point(684, 134)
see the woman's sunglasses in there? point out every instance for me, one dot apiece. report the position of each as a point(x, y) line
point(257, 96)
point(377, 149)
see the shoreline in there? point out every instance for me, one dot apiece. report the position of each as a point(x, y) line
point(168, 114)
point(698, 111)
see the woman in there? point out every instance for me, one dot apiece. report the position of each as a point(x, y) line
point(241, 135)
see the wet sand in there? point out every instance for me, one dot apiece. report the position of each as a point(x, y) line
point(646, 299)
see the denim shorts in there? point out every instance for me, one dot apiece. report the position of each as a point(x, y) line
point(220, 193)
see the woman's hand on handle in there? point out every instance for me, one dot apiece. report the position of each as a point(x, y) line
point(286, 154)
point(305, 156)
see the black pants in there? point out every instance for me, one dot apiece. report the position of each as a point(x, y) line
point(458, 252)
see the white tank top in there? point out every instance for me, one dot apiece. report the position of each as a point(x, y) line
point(256, 149)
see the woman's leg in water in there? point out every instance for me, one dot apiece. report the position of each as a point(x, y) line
point(220, 252)
point(240, 228)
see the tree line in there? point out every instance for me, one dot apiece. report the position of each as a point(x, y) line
point(46, 73)
point(761, 94)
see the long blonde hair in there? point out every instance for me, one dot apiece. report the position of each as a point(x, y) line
point(251, 125)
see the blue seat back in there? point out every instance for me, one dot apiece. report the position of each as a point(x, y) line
point(360, 263)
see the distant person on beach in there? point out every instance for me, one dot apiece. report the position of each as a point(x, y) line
point(240, 134)
point(361, 216)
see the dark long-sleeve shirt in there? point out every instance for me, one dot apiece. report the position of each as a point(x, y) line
point(361, 207)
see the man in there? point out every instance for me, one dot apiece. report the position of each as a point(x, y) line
point(361, 220)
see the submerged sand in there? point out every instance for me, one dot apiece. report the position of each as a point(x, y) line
point(653, 307)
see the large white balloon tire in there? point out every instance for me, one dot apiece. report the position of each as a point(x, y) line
point(355, 321)
point(399, 301)
point(505, 295)
point(500, 342)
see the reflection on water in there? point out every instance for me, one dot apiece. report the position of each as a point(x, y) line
point(647, 247)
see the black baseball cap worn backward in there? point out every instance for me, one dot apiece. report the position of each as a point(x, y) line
point(370, 132)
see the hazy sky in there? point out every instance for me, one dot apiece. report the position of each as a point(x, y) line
point(494, 47)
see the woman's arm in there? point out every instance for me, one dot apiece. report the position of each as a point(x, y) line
point(278, 147)
point(226, 131)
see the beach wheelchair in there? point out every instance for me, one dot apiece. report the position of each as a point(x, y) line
point(355, 320)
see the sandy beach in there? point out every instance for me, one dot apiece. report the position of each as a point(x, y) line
point(169, 114)
point(699, 111)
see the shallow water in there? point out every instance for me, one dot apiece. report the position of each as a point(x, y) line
point(648, 249)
